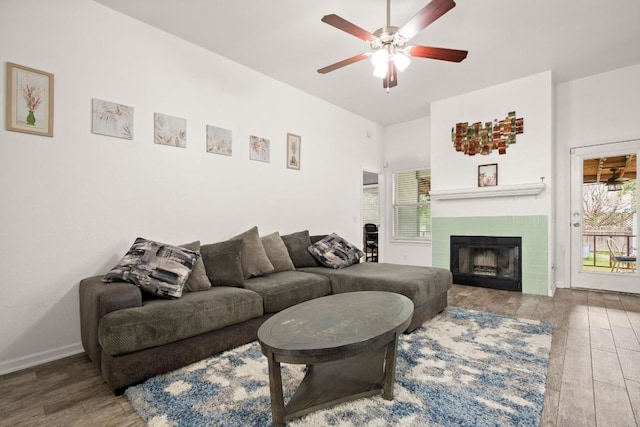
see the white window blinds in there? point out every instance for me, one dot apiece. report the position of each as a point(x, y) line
point(412, 205)
point(370, 205)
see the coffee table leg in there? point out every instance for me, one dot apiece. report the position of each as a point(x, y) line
point(390, 369)
point(275, 386)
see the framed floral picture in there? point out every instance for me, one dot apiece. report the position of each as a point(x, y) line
point(219, 140)
point(259, 149)
point(488, 175)
point(170, 130)
point(111, 119)
point(29, 100)
point(293, 151)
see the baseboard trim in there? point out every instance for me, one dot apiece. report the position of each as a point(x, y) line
point(35, 359)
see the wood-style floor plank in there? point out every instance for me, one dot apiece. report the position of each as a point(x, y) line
point(593, 377)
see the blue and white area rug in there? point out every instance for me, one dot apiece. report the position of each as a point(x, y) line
point(462, 368)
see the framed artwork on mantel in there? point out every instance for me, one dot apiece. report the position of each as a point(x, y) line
point(29, 100)
point(488, 175)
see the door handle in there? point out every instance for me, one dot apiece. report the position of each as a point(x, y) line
point(576, 224)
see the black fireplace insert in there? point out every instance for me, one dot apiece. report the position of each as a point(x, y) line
point(487, 261)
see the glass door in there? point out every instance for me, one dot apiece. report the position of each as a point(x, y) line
point(604, 212)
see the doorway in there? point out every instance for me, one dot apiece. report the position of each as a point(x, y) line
point(370, 214)
point(604, 217)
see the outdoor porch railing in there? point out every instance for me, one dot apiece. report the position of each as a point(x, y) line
point(595, 240)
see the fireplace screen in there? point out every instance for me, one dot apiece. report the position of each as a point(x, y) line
point(491, 262)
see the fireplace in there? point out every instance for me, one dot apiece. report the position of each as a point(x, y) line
point(486, 261)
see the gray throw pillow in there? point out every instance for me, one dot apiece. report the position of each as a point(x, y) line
point(277, 252)
point(297, 244)
point(155, 267)
point(254, 259)
point(198, 280)
point(335, 252)
point(223, 263)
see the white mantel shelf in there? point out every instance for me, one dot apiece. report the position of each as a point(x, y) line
point(483, 192)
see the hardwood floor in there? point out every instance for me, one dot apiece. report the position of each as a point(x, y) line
point(593, 378)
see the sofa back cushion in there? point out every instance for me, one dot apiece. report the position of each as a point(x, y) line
point(277, 252)
point(198, 280)
point(297, 244)
point(254, 258)
point(223, 263)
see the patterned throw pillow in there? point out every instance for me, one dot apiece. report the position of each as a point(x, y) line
point(335, 252)
point(155, 267)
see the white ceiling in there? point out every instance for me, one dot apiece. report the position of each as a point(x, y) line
point(506, 40)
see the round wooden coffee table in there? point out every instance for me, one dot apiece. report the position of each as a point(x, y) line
point(348, 342)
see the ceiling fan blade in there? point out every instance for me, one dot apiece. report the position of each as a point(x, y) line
point(343, 63)
point(453, 55)
point(425, 17)
point(391, 80)
point(348, 27)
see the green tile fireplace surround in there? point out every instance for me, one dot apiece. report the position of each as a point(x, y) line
point(533, 230)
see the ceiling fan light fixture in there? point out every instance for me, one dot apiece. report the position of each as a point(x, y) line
point(381, 71)
point(613, 183)
point(614, 186)
point(401, 60)
point(379, 58)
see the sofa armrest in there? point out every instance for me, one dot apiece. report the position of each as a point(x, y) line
point(97, 299)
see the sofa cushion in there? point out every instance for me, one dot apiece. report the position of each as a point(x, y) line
point(198, 280)
point(223, 263)
point(335, 252)
point(317, 238)
point(420, 284)
point(297, 244)
point(277, 252)
point(287, 288)
point(160, 322)
point(155, 267)
point(254, 258)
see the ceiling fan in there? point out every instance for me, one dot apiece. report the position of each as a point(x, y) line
point(616, 182)
point(388, 51)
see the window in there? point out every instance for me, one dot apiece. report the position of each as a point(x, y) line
point(412, 205)
point(370, 205)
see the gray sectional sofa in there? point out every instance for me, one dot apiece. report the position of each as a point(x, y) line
point(131, 335)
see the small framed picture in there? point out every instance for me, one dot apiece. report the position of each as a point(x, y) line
point(29, 100)
point(488, 175)
point(293, 151)
point(259, 149)
point(111, 119)
point(170, 130)
point(219, 140)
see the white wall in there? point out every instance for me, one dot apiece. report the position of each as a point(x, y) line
point(407, 146)
point(72, 204)
point(599, 109)
point(525, 162)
